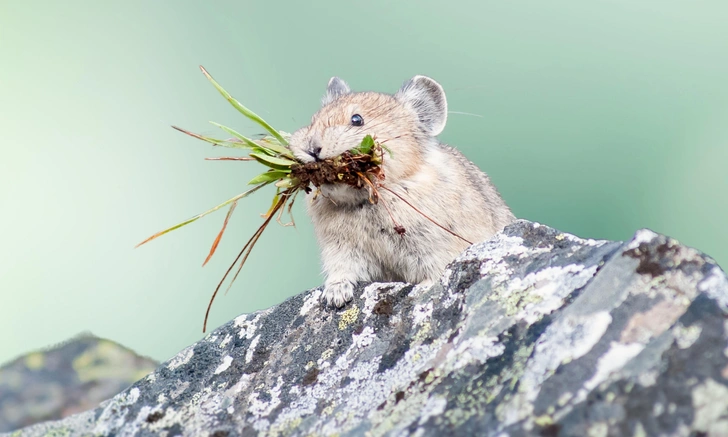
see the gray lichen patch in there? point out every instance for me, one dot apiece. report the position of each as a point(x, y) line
point(534, 332)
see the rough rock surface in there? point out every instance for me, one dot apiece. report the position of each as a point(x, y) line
point(69, 378)
point(534, 332)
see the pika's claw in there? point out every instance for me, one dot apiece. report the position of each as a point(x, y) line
point(338, 293)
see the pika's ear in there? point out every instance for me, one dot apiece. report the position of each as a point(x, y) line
point(334, 90)
point(426, 97)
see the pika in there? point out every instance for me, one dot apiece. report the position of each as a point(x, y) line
point(357, 240)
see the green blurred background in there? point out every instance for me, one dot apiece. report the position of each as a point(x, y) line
point(597, 118)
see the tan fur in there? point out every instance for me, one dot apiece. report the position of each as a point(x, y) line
point(357, 239)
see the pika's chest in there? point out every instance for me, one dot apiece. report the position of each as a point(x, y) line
point(363, 221)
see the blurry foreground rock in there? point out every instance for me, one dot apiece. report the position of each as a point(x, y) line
point(69, 378)
point(534, 332)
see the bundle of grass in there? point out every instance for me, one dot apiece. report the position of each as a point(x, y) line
point(359, 168)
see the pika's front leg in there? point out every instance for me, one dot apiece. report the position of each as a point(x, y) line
point(344, 267)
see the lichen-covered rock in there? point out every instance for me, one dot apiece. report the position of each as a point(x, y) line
point(69, 378)
point(535, 332)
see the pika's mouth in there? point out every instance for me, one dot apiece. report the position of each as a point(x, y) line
point(356, 171)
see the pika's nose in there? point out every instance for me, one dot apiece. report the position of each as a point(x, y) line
point(314, 148)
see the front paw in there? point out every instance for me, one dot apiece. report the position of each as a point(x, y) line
point(338, 293)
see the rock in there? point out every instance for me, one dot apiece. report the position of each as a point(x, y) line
point(69, 378)
point(534, 332)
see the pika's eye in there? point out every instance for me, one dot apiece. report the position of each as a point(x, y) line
point(357, 120)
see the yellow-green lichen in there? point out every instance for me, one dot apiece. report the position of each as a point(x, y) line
point(430, 377)
point(35, 361)
point(544, 420)
point(421, 335)
point(58, 432)
point(106, 360)
point(328, 410)
point(286, 428)
point(348, 317)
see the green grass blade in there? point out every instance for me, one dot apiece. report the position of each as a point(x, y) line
point(288, 182)
point(237, 135)
point(269, 176)
point(243, 110)
point(214, 141)
point(280, 162)
point(267, 146)
point(198, 216)
point(274, 145)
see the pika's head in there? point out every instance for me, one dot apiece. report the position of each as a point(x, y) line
point(404, 122)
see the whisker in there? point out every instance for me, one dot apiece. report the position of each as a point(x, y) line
point(465, 113)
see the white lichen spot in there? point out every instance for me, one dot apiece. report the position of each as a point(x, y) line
point(686, 336)
point(133, 396)
point(328, 410)
point(375, 292)
point(435, 406)
point(544, 291)
point(248, 327)
point(171, 417)
point(226, 361)
point(564, 398)
point(615, 358)
point(231, 409)
point(344, 363)
point(715, 285)
point(475, 350)
point(422, 313)
point(313, 300)
point(641, 236)
point(225, 341)
point(365, 338)
point(598, 429)
point(260, 409)
point(710, 402)
point(639, 430)
point(446, 275)
point(251, 349)
point(162, 398)
point(648, 379)
point(181, 358)
point(115, 410)
point(261, 425)
point(566, 339)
